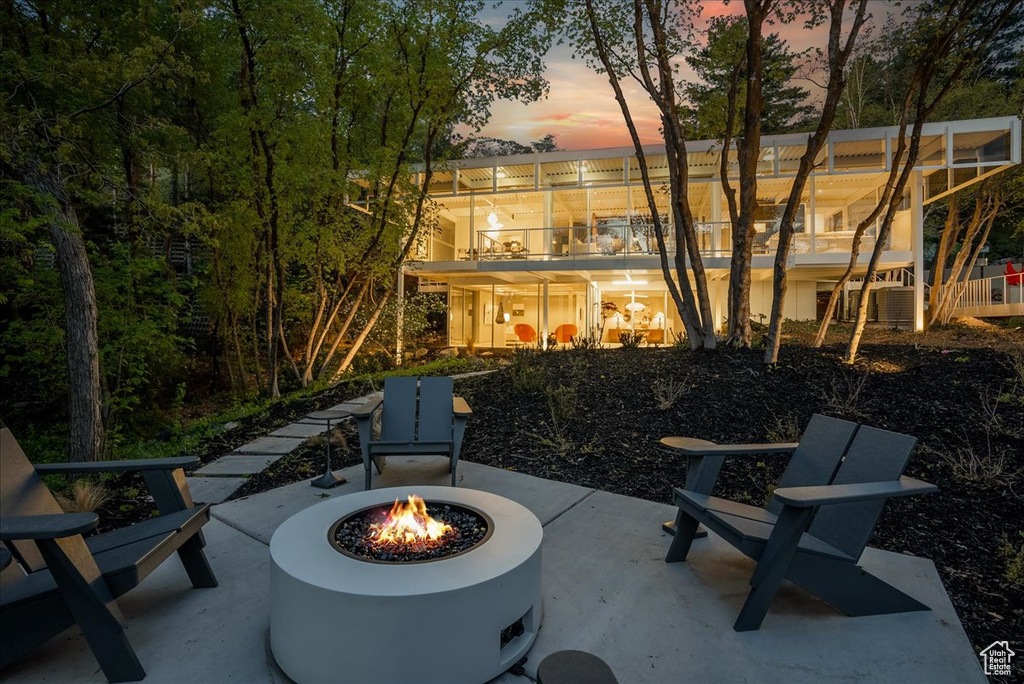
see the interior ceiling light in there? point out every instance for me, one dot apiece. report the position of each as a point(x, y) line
point(629, 282)
point(492, 220)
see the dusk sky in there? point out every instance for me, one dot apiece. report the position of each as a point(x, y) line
point(581, 109)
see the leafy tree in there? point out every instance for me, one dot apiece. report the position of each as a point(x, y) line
point(485, 146)
point(719, 65)
point(548, 143)
point(71, 78)
point(642, 40)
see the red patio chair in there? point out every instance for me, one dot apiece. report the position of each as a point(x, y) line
point(565, 332)
point(525, 333)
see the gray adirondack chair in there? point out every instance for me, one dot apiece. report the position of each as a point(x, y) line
point(429, 422)
point(61, 579)
point(817, 523)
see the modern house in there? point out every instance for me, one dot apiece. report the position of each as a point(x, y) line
point(545, 244)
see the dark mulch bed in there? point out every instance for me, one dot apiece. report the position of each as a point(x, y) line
point(945, 397)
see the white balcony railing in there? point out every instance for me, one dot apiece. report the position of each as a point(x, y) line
point(988, 293)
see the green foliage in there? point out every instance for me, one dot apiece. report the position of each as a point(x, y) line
point(275, 137)
point(525, 371)
point(630, 339)
point(722, 61)
point(1013, 557)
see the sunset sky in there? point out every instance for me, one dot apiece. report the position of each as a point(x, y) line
point(581, 109)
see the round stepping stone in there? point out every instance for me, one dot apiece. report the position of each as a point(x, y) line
point(574, 667)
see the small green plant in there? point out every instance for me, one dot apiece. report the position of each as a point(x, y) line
point(630, 339)
point(668, 391)
point(588, 342)
point(844, 398)
point(785, 429)
point(561, 403)
point(526, 373)
point(679, 340)
point(985, 470)
point(85, 496)
point(1013, 556)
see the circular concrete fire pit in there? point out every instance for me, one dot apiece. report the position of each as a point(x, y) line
point(335, 617)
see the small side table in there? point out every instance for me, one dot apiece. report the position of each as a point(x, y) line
point(574, 667)
point(328, 479)
point(676, 443)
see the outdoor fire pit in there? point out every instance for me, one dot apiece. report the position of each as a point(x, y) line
point(409, 584)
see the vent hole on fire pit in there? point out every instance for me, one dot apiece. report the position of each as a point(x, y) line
point(513, 631)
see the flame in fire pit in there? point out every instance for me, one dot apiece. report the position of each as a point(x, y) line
point(409, 523)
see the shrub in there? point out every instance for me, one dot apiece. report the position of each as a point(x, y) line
point(667, 391)
point(85, 496)
point(630, 339)
point(588, 342)
point(526, 373)
point(785, 429)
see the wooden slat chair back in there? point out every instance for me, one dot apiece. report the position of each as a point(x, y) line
point(813, 462)
point(875, 456)
point(22, 492)
point(418, 417)
point(398, 421)
point(816, 459)
point(435, 414)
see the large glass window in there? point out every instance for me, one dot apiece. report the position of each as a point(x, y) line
point(440, 183)
point(932, 151)
point(555, 174)
point(476, 179)
point(858, 154)
point(980, 148)
point(657, 169)
point(602, 171)
point(515, 176)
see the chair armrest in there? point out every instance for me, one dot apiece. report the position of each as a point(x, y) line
point(46, 526)
point(139, 464)
point(806, 497)
point(461, 408)
point(734, 449)
point(367, 409)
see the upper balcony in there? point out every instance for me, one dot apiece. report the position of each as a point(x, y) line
point(592, 205)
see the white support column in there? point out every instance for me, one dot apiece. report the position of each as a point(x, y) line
point(717, 295)
point(548, 224)
point(400, 315)
point(716, 218)
point(917, 231)
point(810, 219)
point(544, 314)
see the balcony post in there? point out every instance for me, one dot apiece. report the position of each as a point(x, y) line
point(544, 319)
point(917, 231)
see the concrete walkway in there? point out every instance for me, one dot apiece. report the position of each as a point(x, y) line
point(219, 479)
point(606, 590)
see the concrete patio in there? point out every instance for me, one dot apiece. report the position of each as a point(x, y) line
point(606, 590)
